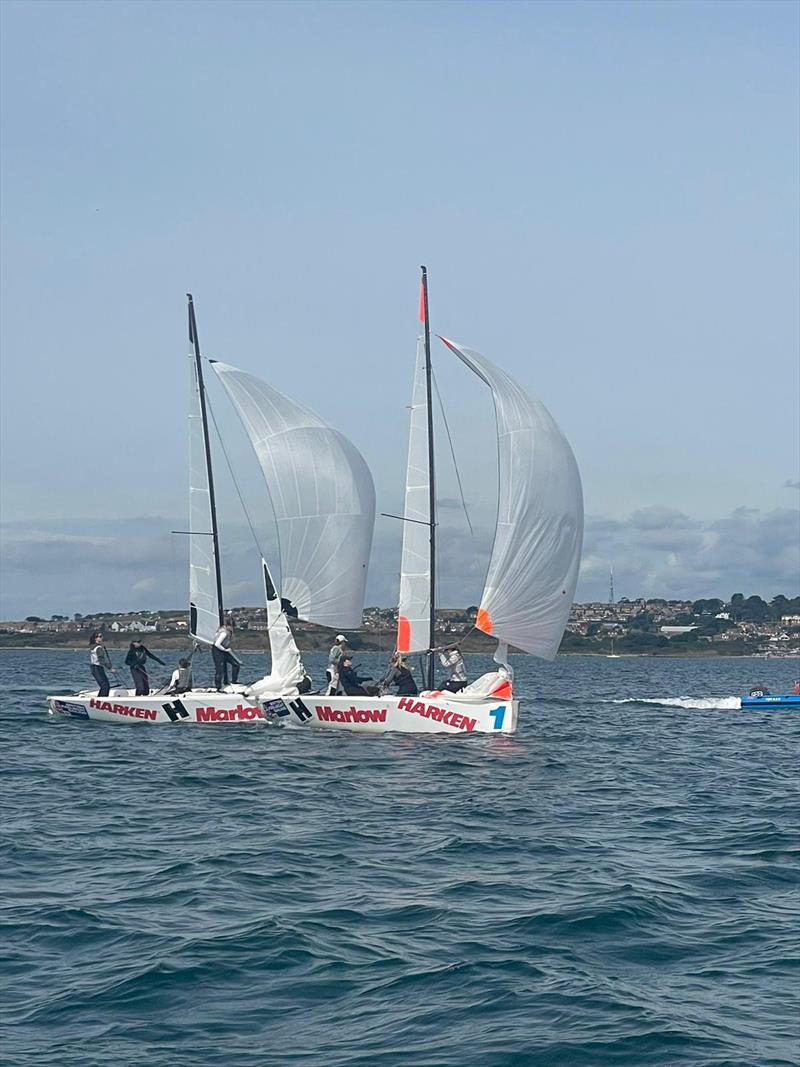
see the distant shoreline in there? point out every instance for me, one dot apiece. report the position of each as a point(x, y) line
point(666, 654)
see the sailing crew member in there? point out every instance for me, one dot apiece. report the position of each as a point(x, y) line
point(334, 659)
point(399, 675)
point(451, 658)
point(350, 680)
point(99, 662)
point(221, 651)
point(137, 659)
point(181, 680)
point(796, 689)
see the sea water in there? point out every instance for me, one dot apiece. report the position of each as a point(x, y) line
point(616, 884)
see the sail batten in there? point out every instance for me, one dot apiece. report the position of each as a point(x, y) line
point(322, 495)
point(533, 570)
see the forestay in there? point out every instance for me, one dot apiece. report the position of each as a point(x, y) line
point(204, 602)
point(413, 624)
point(533, 569)
point(322, 495)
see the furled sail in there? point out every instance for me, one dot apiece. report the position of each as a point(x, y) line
point(413, 622)
point(203, 598)
point(322, 495)
point(533, 569)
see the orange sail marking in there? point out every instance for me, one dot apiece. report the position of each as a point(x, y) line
point(403, 634)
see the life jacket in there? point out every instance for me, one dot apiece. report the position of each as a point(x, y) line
point(184, 680)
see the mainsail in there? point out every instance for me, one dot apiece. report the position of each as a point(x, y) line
point(413, 622)
point(203, 586)
point(322, 496)
point(533, 569)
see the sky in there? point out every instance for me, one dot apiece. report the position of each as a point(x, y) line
point(605, 195)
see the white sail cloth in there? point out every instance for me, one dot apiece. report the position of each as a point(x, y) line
point(203, 599)
point(413, 624)
point(533, 569)
point(322, 495)
point(286, 671)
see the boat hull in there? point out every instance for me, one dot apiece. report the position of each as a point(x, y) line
point(439, 713)
point(197, 707)
point(787, 700)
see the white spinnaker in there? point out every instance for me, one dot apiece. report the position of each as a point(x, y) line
point(204, 603)
point(533, 569)
point(413, 626)
point(322, 495)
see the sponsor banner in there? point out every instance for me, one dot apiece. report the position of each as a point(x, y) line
point(238, 714)
point(75, 711)
point(351, 714)
point(273, 708)
point(123, 709)
point(432, 711)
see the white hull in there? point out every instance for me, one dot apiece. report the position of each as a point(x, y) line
point(438, 713)
point(198, 706)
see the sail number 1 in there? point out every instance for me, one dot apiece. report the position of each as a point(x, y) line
point(498, 714)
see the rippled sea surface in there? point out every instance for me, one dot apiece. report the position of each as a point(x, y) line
point(616, 884)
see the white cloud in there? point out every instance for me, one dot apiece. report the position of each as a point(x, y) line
point(116, 565)
point(144, 585)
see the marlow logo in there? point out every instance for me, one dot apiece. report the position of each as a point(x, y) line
point(175, 711)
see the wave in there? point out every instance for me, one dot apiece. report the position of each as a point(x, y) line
point(691, 703)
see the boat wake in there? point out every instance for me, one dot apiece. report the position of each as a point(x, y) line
point(691, 703)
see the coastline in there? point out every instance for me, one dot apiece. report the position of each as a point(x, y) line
point(666, 654)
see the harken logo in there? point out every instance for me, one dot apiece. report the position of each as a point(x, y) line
point(175, 711)
point(300, 710)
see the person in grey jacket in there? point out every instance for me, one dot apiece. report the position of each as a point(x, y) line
point(451, 658)
point(338, 650)
point(99, 662)
point(223, 658)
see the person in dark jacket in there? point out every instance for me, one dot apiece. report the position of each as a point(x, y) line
point(137, 659)
point(350, 680)
point(399, 675)
point(100, 662)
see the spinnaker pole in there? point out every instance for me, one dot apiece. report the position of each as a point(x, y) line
point(195, 343)
point(431, 476)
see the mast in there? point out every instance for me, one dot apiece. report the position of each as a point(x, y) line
point(195, 343)
point(431, 473)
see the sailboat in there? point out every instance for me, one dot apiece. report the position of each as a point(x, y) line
point(532, 571)
point(612, 654)
point(323, 500)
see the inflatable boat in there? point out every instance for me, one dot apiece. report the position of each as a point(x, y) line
point(770, 700)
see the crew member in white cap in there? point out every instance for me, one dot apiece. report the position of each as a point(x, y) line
point(334, 657)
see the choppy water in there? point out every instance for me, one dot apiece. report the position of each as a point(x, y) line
point(616, 884)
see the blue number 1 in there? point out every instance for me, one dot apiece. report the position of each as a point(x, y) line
point(498, 714)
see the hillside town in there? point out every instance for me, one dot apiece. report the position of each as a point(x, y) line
point(742, 625)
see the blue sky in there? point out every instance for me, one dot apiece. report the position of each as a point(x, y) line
point(606, 196)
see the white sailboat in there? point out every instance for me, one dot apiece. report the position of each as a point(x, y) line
point(323, 499)
point(612, 654)
point(532, 573)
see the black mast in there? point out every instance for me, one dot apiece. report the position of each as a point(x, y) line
point(207, 442)
point(431, 479)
